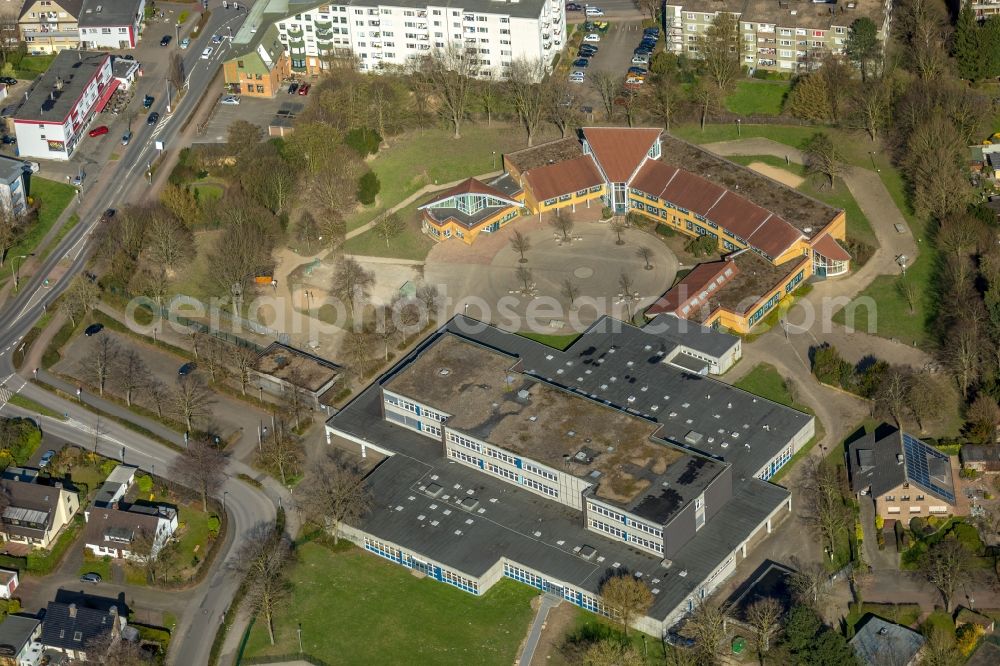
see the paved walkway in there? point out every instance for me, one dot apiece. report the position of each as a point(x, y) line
point(548, 602)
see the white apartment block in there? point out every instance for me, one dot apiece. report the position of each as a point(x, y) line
point(777, 35)
point(500, 31)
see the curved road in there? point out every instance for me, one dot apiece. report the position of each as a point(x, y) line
point(113, 187)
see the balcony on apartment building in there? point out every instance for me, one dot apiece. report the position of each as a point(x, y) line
point(323, 25)
point(30, 35)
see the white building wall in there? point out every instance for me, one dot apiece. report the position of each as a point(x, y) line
point(618, 525)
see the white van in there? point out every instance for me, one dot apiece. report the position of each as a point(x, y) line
point(594, 11)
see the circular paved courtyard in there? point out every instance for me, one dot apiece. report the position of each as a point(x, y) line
point(485, 275)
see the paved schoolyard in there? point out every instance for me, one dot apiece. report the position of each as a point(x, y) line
point(484, 274)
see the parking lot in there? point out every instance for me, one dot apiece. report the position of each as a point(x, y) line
point(614, 55)
point(255, 110)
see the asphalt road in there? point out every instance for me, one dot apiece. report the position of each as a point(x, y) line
point(113, 187)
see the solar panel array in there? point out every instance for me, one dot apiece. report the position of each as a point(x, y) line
point(917, 454)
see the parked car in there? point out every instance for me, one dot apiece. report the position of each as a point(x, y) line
point(587, 51)
point(126, 138)
point(8, 80)
point(231, 100)
point(46, 458)
point(595, 11)
point(166, 40)
point(640, 60)
point(581, 63)
point(293, 88)
point(147, 101)
point(592, 37)
point(186, 369)
point(153, 118)
point(637, 70)
point(573, 7)
point(108, 214)
point(184, 43)
point(642, 50)
point(91, 577)
point(93, 330)
point(655, 32)
point(304, 89)
point(207, 53)
point(77, 180)
point(576, 77)
point(216, 39)
point(585, 54)
point(98, 131)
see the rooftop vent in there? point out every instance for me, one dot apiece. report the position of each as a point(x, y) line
point(433, 490)
point(683, 573)
point(587, 552)
point(444, 372)
point(468, 503)
point(899, 458)
point(523, 394)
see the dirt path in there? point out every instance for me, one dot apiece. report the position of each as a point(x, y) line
point(775, 173)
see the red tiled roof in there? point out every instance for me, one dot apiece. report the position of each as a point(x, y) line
point(553, 180)
point(754, 224)
point(468, 186)
point(620, 150)
point(691, 287)
point(828, 246)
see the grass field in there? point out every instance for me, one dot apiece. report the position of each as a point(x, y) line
point(54, 198)
point(858, 225)
point(758, 98)
point(425, 157)
point(557, 341)
point(410, 244)
point(337, 592)
point(30, 66)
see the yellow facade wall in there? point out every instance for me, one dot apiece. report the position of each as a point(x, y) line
point(574, 199)
point(251, 86)
point(740, 323)
point(452, 229)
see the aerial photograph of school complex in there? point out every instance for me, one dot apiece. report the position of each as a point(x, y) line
point(532, 332)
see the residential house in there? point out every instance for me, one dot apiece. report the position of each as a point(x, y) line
point(778, 36)
point(257, 63)
point(281, 368)
point(64, 100)
point(49, 26)
point(19, 644)
point(903, 476)
point(115, 486)
point(880, 642)
point(8, 583)
point(126, 533)
point(36, 513)
point(70, 629)
point(111, 25)
point(472, 207)
point(12, 190)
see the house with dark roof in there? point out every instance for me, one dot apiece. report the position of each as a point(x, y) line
point(19, 644)
point(36, 513)
point(71, 629)
point(904, 476)
point(504, 457)
point(471, 208)
point(880, 642)
point(129, 532)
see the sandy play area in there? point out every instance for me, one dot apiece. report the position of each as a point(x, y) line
point(777, 174)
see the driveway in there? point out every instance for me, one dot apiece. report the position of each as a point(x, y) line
point(592, 262)
point(886, 560)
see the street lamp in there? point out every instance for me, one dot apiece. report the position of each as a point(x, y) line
point(15, 269)
point(739, 122)
point(494, 159)
point(224, 500)
point(871, 154)
point(299, 632)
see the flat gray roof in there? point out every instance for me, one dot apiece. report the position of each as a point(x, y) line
point(104, 13)
point(10, 169)
point(704, 339)
point(55, 92)
point(16, 630)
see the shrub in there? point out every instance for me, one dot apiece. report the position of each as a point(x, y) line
point(879, 523)
point(364, 140)
point(108, 466)
point(664, 230)
point(144, 483)
point(968, 636)
point(702, 245)
point(830, 368)
point(183, 17)
point(918, 525)
point(368, 188)
point(21, 437)
point(606, 213)
point(213, 525)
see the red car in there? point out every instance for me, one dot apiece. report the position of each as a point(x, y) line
point(98, 131)
point(304, 89)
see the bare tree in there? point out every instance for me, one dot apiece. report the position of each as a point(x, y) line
point(352, 283)
point(448, 73)
point(645, 254)
point(11, 226)
point(191, 400)
point(563, 224)
point(607, 85)
point(824, 505)
point(98, 367)
point(762, 616)
point(520, 244)
point(388, 226)
point(571, 291)
point(872, 102)
point(357, 351)
point(628, 295)
point(627, 598)
point(559, 107)
point(910, 292)
point(964, 355)
point(80, 297)
point(524, 276)
point(618, 227)
point(176, 73)
point(243, 359)
point(928, 397)
point(708, 626)
point(946, 565)
point(490, 95)
point(169, 243)
point(822, 156)
point(810, 583)
point(295, 399)
point(201, 467)
point(612, 652)
point(707, 98)
point(281, 450)
point(158, 394)
point(262, 558)
point(108, 648)
point(890, 394)
point(333, 492)
point(131, 373)
point(430, 298)
point(527, 94)
point(385, 329)
point(720, 51)
point(664, 100)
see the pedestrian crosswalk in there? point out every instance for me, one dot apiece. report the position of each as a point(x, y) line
point(5, 395)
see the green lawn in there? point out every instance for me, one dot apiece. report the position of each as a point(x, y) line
point(54, 198)
point(425, 157)
point(858, 225)
point(412, 243)
point(193, 527)
point(98, 565)
point(758, 98)
point(73, 220)
point(30, 66)
point(552, 340)
point(335, 594)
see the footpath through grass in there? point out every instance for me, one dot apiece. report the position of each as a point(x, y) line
point(334, 592)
